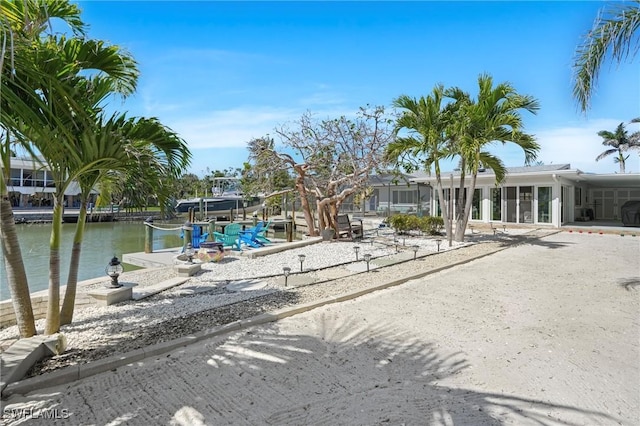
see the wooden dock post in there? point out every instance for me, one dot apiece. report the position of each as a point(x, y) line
point(186, 238)
point(148, 235)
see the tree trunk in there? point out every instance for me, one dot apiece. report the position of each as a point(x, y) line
point(53, 303)
point(68, 305)
point(443, 207)
point(304, 202)
point(15, 272)
point(461, 224)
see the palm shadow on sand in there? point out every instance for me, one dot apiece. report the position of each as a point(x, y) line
point(344, 372)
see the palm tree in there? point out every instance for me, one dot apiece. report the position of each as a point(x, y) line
point(614, 32)
point(493, 117)
point(620, 142)
point(140, 148)
point(20, 103)
point(426, 120)
point(52, 106)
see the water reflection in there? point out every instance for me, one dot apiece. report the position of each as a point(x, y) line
point(101, 242)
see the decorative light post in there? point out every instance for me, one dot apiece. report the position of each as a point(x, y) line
point(189, 252)
point(301, 258)
point(114, 269)
point(356, 249)
point(286, 271)
point(438, 243)
point(415, 251)
point(367, 258)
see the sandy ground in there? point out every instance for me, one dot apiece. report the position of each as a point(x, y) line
point(544, 333)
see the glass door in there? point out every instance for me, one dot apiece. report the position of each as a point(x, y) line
point(526, 204)
point(511, 203)
point(496, 204)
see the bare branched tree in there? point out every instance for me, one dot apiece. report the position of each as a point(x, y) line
point(331, 159)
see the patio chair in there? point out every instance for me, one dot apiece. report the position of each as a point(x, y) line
point(250, 236)
point(262, 235)
point(230, 237)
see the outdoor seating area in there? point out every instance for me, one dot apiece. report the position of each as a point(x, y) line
point(348, 229)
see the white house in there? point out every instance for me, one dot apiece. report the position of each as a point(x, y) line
point(32, 185)
point(549, 195)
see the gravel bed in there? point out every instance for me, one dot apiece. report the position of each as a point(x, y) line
point(204, 301)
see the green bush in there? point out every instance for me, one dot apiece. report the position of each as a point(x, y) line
point(403, 223)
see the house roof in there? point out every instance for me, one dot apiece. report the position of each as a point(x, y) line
point(564, 171)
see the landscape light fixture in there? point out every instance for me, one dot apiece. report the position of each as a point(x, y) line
point(114, 269)
point(438, 243)
point(301, 258)
point(356, 249)
point(189, 252)
point(367, 258)
point(504, 228)
point(415, 251)
point(286, 271)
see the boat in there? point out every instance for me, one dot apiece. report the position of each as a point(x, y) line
point(219, 205)
point(226, 196)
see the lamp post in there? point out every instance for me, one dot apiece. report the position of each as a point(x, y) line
point(415, 251)
point(286, 271)
point(356, 249)
point(114, 269)
point(189, 252)
point(438, 243)
point(367, 258)
point(244, 209)
point(301, 258)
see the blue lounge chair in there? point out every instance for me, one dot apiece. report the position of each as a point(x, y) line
point(250, 236)
point(230, 237)
point(262, 235)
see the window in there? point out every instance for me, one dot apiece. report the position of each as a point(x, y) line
point(496, 203)
point(476, 207)
point(578, 196)
point(544, 204)
point(15, 179)
point(405, 197)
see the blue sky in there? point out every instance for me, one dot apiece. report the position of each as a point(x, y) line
point(222, 73)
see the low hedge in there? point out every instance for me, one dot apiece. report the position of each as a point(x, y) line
point(405, 222)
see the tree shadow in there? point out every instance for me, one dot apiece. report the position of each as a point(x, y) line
point(629, 284)
point(533, 240)
point(342, 372)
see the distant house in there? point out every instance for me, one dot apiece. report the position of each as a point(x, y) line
point(31, 185)
point(549, 195)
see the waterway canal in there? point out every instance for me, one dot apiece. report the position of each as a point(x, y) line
point(101, 242)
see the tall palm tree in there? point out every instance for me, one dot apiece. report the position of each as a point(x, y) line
point(495, 116)
point(426, 120)
point(52, 104)
point(20, 24)
point(619, 142)
point(141, 148)
point(615, 33)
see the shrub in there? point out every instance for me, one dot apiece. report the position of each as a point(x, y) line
point(428, 224)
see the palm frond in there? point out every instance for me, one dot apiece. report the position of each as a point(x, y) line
point(615, 32)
